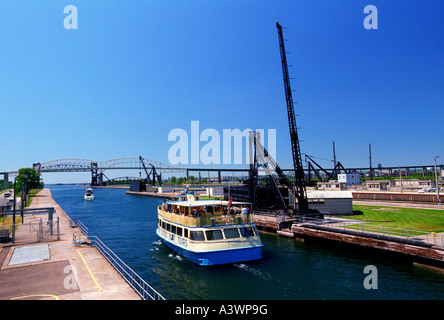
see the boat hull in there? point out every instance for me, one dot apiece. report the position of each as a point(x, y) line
point(210, 258)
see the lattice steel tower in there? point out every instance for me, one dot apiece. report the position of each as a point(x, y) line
point(300, 182)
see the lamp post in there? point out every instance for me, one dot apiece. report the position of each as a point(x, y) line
point(13, 213)
point(400, 178)
point(436, 181)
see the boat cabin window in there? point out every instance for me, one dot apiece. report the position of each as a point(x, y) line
point(179, 231)
point(247, 232)
point(231, 233)
point(168, 227)
point(197, 235)
point(163, 225)
point(185, 233)
point(173, 229)
point(214, 234)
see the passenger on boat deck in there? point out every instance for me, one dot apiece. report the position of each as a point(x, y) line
point(228, 218)
point(195, 214)
point(244, 210)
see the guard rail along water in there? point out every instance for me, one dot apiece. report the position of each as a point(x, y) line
point(362, 228)
point(145, 291)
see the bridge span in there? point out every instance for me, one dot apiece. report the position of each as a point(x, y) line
point(97, 168)
point(85, 165)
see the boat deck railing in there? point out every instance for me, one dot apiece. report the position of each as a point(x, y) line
point(207, 220)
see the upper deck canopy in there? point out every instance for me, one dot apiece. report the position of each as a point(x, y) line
point(208, 203)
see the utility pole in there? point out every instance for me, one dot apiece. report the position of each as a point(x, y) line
point(436, 181)
point(370, 157)
point(13, 213)
point(334, 155)
point(400, 178)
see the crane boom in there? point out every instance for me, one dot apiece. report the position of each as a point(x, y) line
point(300, 184)
point(144, 168)
point(266, 161)
point(153, 172)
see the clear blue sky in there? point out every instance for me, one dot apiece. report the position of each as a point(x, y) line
point(135, 70)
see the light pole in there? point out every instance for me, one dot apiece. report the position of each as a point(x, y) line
point(13, 213)
point(400, 178)
point(436, 181)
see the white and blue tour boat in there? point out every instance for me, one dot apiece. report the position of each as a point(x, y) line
point(209, 232)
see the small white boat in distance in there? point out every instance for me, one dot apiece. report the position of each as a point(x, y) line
point(89, 194)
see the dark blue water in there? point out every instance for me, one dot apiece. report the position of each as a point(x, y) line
point(289, 269)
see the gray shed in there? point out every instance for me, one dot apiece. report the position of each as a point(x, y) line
point(335, 202)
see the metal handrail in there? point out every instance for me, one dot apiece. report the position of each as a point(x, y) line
point(139, 285)
point(81, 226)
point(393, 234)
point(135, 281)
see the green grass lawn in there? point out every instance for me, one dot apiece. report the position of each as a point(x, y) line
point(32, 193)
point(7, 222)
point(211, 198)
point(427, 220)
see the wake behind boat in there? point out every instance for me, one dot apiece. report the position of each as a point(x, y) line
point(209, 232)
point(89, 194)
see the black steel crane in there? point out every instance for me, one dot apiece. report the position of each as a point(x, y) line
point(336, 170)
point(300, 183)
point(263, 159)
point(152, 173)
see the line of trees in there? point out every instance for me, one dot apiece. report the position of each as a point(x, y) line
point(180, 180)
point(28, 178)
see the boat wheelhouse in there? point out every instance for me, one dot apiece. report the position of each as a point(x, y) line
point(89, 194)
point(209, 232)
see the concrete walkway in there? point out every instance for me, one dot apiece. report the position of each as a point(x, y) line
point(70, 273)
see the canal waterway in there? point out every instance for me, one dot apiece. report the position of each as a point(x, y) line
point(290, 269)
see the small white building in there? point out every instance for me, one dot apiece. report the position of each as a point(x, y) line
point(379, 185)
point(415, 183)
point(332, 185)
point(8, 203)
point(349, 178)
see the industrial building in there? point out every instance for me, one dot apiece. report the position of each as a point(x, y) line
point(334, 202)
point(332, 185)
point(350, 179)
point(379, 185)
